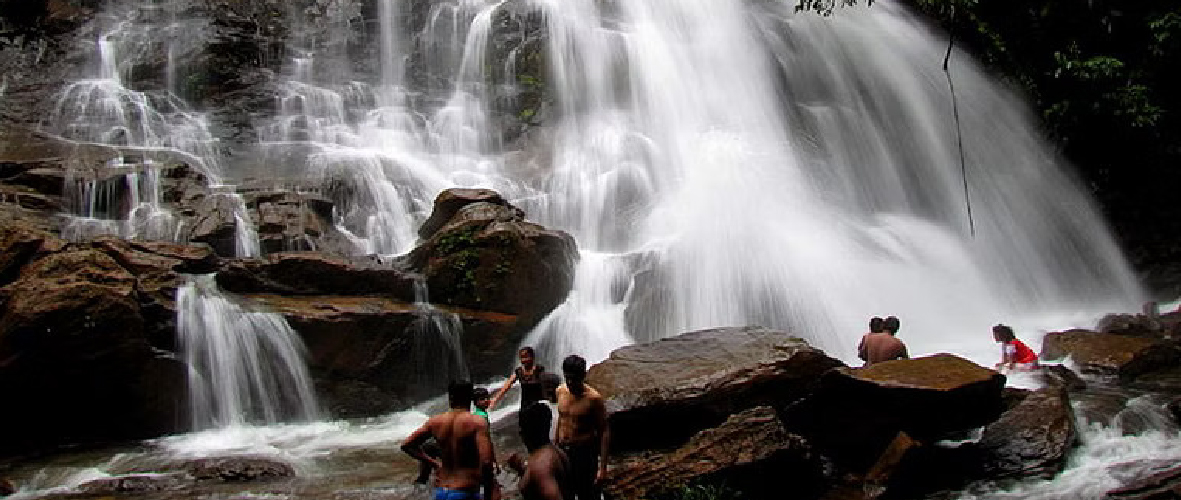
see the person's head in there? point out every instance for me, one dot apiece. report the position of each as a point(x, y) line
point(459, 394)
point(876, 325)
point(574, 367)
point(1003, 333)
point(891, 325)
point(534, 421)
point(526, 355)
point(549, 386)
point(481, 398)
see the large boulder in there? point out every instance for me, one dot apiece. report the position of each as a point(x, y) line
point(371, 355)
point(748, 453)
point(1122, 356)
point(661, 393)
point(72, 323)
point(1032, 439)
point(855, 412)
point(21, 244)
point(488, 257)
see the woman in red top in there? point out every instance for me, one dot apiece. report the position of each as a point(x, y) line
point(1014, 353)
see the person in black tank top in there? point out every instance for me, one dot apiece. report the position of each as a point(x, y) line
point(529, 375)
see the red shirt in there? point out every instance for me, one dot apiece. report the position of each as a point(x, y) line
point(1020, 352)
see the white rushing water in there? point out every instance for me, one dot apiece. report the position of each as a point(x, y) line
point(720, 162)
point(245, 367)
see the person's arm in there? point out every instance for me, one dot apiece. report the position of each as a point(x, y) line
point(502, 391)
point(413, 445)
point(905, 354)
point(487, 456)
point(1008, 355)
point(604, 437)
point(861, 350)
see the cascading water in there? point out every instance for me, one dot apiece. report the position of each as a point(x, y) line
point(720, 162)
point(438, 350)
point(245, 367)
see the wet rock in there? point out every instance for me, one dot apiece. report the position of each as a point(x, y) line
point(215, 225)
point(238, 469)
point(450, 201)
point(289, 221)
point(1137, 325)
point(20, 244)
point(6, 487)
point(854, 413)
point(134, 484)
point(1061, 376)
point(1113, 355)
point(311, 273)
point(1147, 480)
point(1032, 439)
point(72, 323)
point(661, 393)
point(1174, 408)
point(359, 342)
point(748, 453)
point(487, 257)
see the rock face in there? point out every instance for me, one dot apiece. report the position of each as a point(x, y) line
point(1108, 354)
point(1032, 439)
point(740, 454)
point(661, 393)
point(487, 257)
point(855, 412)
point(72, 321)
point(1159, 480)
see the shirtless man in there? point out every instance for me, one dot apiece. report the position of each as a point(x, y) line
point(582, 429)
point(547, 475)
point(880, 344)
point(465, 461)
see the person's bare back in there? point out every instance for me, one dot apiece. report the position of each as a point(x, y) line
point(546, 476)
point(465, 447)
point(878, 347)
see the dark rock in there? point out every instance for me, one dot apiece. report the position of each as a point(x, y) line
point(855, 413)
point(20, 245)
point(311, 273)
point(1013, 396)
point(72, 323)
point(216, 225)
point(288, 220)
point(360, 342)
point(487, 257)
point(1147, 480)
point(133, 484)
point(6, 487)
point(1032, 439)
point(1061, 376)
point(1166, 381)
point(1114, 355)
point(1174, 408)
point(238, 469)
point(1137, 325)
point(660, 393)
point(748, 453)
point(450, 201)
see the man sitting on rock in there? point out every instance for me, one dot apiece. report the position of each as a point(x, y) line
point(880, 344)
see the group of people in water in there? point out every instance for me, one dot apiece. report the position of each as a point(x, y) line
point(882, 344)
point(563, 427)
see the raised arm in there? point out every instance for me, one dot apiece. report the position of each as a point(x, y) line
point(502, 391)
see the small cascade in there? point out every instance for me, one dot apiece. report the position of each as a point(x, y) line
point(438, 343)
point(245, 367)
point(121, 199)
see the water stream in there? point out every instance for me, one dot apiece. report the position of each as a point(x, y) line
point(720, 162)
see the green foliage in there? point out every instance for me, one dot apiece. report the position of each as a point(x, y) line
point(702, 492)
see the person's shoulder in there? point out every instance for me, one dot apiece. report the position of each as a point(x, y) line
point(592, 393)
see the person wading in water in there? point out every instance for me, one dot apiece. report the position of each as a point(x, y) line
point(465, 460)
point(529, 375)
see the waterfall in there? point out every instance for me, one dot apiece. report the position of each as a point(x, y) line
point(245, 367)
point(438, 350)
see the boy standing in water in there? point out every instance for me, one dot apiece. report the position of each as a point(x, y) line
point(1015, 355)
